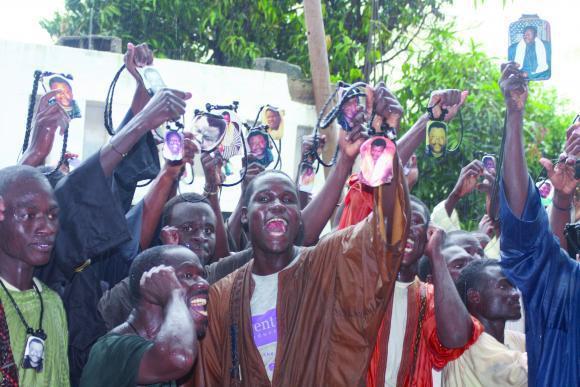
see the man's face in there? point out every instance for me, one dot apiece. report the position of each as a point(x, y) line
point(499, 299)
point(189, 272)
point(349, 109)
point(417, 237)
point(35, 353)
point(257, 145)
point(273, 213)
point(65, 97)
point(377, 151)
point(195, 223)
point(31, 221)
point(469, 243)
point(174, 144)
point(456, 259)
point(273, 119)
point(529, 36)
point(437, 139)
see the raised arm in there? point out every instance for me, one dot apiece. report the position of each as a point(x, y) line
point(450, 99)
point(162, 189)
point(466, 183)
point(166, 105)
point(212, 167)
point(47, 119)
point(174, 350)
point(514, 87)
point(454, 324)
point(562, 177)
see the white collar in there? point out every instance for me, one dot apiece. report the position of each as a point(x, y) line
point(13, 288)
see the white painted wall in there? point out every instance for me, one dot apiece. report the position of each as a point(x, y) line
point(93, 72)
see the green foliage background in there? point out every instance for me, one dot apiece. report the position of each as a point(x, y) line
point(411, 32)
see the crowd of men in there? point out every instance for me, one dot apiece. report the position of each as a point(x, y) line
point(96, 291)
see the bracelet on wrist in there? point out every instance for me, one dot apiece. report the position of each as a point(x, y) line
point(210, 190)
point(123, 155)
point(561, 208)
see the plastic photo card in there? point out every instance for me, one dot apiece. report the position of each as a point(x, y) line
point(209, 130)
point(546, 191)
point(151, 79)
point(231, 144)
point(173, 145)
point(259, 148)
point(488, 162)
point(307, 177)
point(65, 98)
point(436, 138)
point(274, 118)
point(33, 353)
point(377, 155)
point(530, 45)
point(349, 108)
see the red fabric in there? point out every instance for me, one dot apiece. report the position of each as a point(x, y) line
point(8, 373)
point(431, 353)
point(358, 203)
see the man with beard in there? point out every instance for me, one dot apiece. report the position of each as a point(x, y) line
point(498, 357)
point(307, 316)
point(157, 345)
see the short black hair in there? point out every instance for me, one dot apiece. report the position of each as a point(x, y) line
point(426, 212)
point(172, 133)
point(534, 29)
point(256, 132)
point(53, 176)
point(188, 197)
point(436, 124)
point(54, 80)
point(250, 188)
point(379, 142)
point(471, 276)
point(145, 261)
point(12, 175)
point(455, 234)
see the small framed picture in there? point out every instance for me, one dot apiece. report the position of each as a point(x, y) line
point(377, 155)
point(33, 353)
point(209, 130)
point(489, 162)
point(259, 150)
point(274, 118)
point(546, 190)
point(173, 145)
point(151, 79)
point(232, 143)
point(530, 45)
point(65, 98)
point(350, 107)
point(307, 177)
point(436, 138)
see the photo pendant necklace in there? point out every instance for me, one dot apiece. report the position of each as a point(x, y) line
point(34, 346)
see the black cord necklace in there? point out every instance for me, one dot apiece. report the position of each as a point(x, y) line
point(29, 330)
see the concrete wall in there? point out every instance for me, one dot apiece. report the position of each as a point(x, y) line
point(93, 71)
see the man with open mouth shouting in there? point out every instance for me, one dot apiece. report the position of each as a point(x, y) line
point(158, 344)
point(308, 317)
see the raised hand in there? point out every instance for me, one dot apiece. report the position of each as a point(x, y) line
point(308, 146)
point(468, 178)
point(212, 163)
point(486, 226)
point(169, 235)
point(137, 56)
point(436, 241)
point(349, 142)
point(254, 169)
point(514, 86)
point(449, 99)
point(562, 175)
point(165, 105)
point(157, 284)
point(387, 106)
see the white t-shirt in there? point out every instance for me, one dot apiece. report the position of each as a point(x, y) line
point(264, 319)
point(397, 332)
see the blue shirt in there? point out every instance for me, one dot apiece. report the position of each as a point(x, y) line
point(549, 280)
